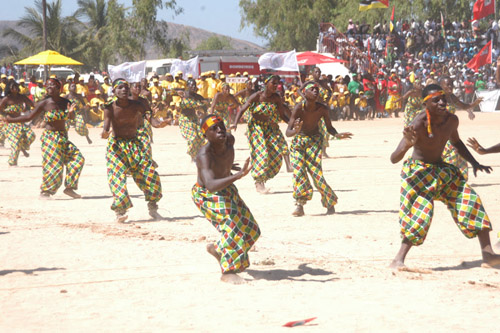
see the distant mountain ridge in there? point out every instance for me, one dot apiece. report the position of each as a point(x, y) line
point(196, 37)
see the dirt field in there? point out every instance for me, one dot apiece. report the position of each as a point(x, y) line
point(65, 266)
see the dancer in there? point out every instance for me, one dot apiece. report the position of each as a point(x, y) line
point(19, 136)
point(267, 144)
point(219, 201)
point(425, 178)
point(126, 153)
point(81, 108)
point(57, 151)
point(188, 119)
point(306, 149)
point(221, 103)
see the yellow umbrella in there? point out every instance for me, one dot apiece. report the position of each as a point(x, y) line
point(48, 58)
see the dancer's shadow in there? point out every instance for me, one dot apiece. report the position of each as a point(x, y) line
point(165, 218)
point(4, 232)
point(360, 212)
point(484, 185)
point(30, 271)
point(463, 266)
point(283, 274)
point(86, 197)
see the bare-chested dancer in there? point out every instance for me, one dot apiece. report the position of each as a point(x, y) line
point(217, 198)
point(306, 149)
point(126, 153)
point(425, 178)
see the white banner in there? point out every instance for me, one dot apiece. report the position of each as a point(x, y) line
point(490, 100)
point(279, 61)
point(236, 79)
point(186, 67)
point(130, 71)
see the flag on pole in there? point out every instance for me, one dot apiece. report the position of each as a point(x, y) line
point(185, 66)
point(442, 26)
point(130, 71)
point(482, 58)
point(279, 61)
point(483, 8)
point(371, 4)
point(392, 19)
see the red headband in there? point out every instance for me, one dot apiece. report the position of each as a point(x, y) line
point(209, 122)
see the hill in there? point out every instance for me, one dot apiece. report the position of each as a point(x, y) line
point(196, 37)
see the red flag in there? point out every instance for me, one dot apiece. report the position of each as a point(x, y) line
point(481, 59)
point(483, 8)
point(392, 23)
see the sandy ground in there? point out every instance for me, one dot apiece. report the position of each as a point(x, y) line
point(66, 266)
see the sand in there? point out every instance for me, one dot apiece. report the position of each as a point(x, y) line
point(65, 265)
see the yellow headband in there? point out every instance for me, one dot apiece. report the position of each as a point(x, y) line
point(308, 86)
point(437, 93)
point(118, 82)
point(209, 122)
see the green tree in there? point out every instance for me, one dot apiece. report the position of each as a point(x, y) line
point(61, 31)
point(215, 43)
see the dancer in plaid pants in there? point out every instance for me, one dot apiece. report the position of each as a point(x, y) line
point(217, 198)
point(306, 149)
point(81, 108)
point(20, 136)
point(426, 178)
point(57, 151)
point(267, 144)
point(126, 153)
point(188, 120)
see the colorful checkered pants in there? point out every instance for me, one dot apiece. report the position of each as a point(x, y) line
point(224, 115)
point(79, 123)
point(231, 217)
point(324, 133)
point(58, 152)
point(129, 155)
point(421, 184)
point(145, 134)
point(306, 158)
point(190, 130)
point(3, 128)
point(20, 136)
point(267, 145)
point(451, 156)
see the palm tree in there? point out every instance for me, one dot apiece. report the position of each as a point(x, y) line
point(61, 31)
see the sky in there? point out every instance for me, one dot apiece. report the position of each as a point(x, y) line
point(219, 16)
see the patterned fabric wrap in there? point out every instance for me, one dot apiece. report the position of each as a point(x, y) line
point(20, 136)
point(231, 217)
point(58, 152)
point(190, 130)
point(190, 103)
point(450, 153)
point(130, 156)
point(267, 145)
point(305, 158)
point(13, 109)
point(412, 108)
point(222, 110)
point(324, 133)
point(392, 103)
point(421, 184)
point(267, 109)
point(323, 94)
point(3, 131)
point(54, 115)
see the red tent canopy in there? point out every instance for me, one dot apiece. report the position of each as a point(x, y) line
point(313, 58)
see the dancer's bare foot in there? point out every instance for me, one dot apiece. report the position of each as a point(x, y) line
point(330, 210)
point(211, 249)
point(44, 195)
point(490, 260)
point(13, 165)
point(325, 155)
point(25, 153)
point(121, 217)
point(153, 211)
point(70, 192)
point(397, 264)
point(88, 140)
point(232, 278)
point(299, 211)
point(261, 188)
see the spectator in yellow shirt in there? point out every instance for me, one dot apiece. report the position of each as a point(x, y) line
point(202, 85)
point(96, 113)
point(156, 91)
point(363, 108)
point(81, 88)
point(23, 90)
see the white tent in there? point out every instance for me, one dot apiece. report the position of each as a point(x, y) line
point(334, 69)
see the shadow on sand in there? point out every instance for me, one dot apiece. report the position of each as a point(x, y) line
point(283, 274)
point(30, 271)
